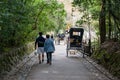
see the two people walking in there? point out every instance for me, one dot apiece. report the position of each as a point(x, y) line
point(44, 45)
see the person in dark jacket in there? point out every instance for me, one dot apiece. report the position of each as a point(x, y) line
point(39, 45)
point(49, 48)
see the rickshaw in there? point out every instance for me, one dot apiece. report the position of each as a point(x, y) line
point(74, 40)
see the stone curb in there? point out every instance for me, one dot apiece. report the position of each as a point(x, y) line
point(22, 69)
point(101, 69)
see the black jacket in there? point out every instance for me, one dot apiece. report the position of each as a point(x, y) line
point(40, 41)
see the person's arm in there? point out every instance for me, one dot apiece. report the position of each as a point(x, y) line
point(45, 46)
point(53, 45)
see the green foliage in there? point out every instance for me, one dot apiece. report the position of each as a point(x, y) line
point(21, 20)
point(106, 14)
point(109, 60)
point(14, 19)
point(112, 11)
point(88, 7)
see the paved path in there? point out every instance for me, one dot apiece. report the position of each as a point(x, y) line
point(73, 67)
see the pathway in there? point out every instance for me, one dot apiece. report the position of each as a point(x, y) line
point(73, 67)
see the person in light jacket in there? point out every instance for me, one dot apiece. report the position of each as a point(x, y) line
point(49, 48)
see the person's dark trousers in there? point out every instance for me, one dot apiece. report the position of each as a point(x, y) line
point(49, 57)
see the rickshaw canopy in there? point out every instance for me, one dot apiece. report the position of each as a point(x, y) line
point(76, 35)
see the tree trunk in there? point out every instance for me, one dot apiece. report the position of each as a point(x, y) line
point(109, 18)
point(102, 21)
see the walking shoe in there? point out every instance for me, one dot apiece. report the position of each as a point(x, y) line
point(50, 63)
point(43, 60)
point(39, 62)
point(47, 62)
